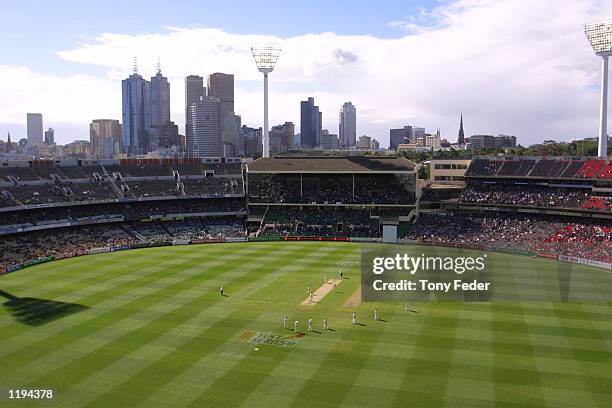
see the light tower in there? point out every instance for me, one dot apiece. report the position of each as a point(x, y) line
point(600, 37)
point(265, 58)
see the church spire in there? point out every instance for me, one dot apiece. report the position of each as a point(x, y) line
point(461, 136)
point(8, 140)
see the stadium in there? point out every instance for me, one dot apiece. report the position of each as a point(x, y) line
point(163, 282)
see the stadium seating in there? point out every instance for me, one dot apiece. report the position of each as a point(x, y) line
point(550, 235)
point(591, 168)
point(523, 195)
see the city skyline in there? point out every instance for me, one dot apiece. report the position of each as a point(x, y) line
point(548, 92)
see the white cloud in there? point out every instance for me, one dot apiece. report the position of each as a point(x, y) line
point(517, 67)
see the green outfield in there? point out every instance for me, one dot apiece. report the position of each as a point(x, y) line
point(149, 328)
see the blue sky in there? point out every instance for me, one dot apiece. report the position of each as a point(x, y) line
point(33, 30)
point(511, 66)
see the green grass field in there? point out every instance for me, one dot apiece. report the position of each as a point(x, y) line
point(149, 328)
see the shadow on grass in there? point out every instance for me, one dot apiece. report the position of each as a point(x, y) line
point(36, 312)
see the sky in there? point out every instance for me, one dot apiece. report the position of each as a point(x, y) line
point(514, 67)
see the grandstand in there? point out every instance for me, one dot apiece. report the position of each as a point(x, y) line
point(329, 196)
point(537, 206)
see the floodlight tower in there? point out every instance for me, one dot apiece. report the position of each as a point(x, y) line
point(600, 37)
point(265, 58)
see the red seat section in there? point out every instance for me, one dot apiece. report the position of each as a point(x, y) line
point(606, 172)
point(591, 168)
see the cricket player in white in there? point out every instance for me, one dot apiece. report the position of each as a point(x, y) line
point(375, 314)
point(354, 317)
point(325, 323)
point(309, 288)
point(334, 286)
point(285, 322)
point(406, 307)
point(310, 324)
point(295, 326)
point(310, 298)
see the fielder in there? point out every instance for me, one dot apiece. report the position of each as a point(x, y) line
point(285, 322)
point(221, 290)
point(325, 323)
point(354, 317)
point(406, 307)
point(375, 314)
point(295, 324)
point(310, 324)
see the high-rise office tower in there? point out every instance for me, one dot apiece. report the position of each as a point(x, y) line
point(194, 92)
point(310, 124)
point(105, 137)
point(135, 113)
point(221, 86)
point(206, 121)
point(348, 125)
point(160, 99)
point(50, 136)
point(35, 128)
point(399, 136)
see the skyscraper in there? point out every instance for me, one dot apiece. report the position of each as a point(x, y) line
point(461, 136)
point(281, 137)
point(35, 128)
point(221, 86)
point(310, 124)
point(206, 122)
point(50, 136)
point(399, 136)
point(135, 113)
point(194, 91)
point(348, 125)
point(105, 137)
point(160, 99)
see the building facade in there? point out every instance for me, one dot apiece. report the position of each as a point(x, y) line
point(206, 122)
point(221, 86)
point(365, 142)
point(50, 136)
point(448, 171)
point(135, 114)
point(329, 141)
point(105, 138)
point(281, 138)
point(400, 136)
point(252, 141)
point(194, 92)
point(310, 124)
point(34, 128)
point(347, 129)
point(160, 100)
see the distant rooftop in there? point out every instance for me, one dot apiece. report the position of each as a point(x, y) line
point(360, 164)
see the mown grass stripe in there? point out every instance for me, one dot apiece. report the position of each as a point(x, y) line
point(176, 380)
point(108, 318)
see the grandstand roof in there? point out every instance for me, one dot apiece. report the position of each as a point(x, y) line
point(358, 164)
